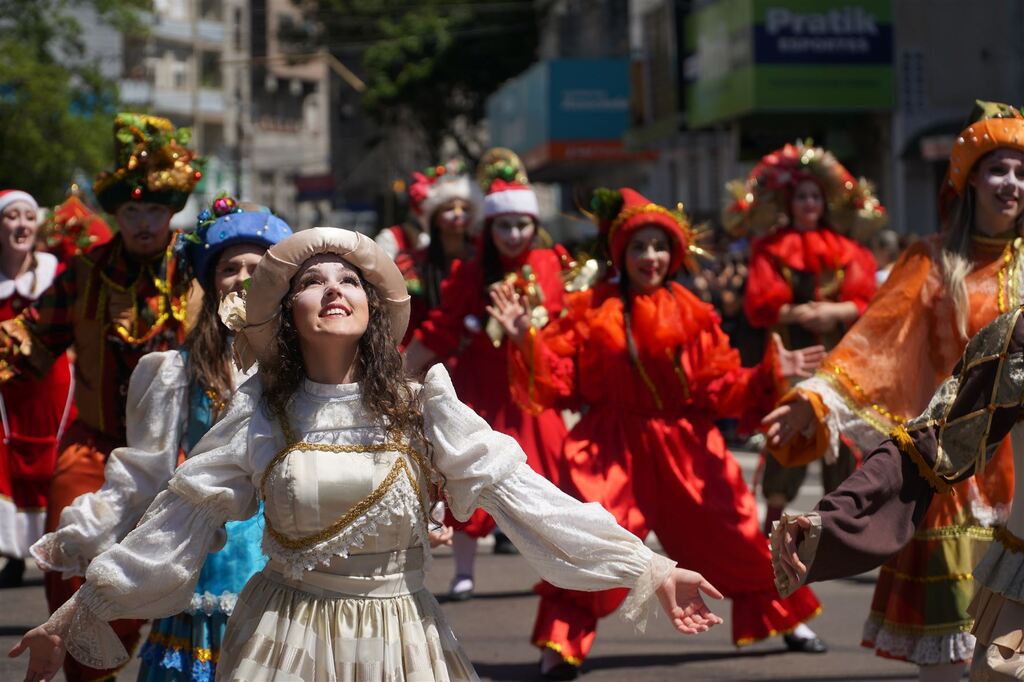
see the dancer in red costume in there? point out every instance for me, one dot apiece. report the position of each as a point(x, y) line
point(655, 370)
point(807, 281)
point(460, 329)
point(34, 411)
point(447, 206)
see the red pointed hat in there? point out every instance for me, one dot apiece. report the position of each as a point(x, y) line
point(74, 228)
point(622, 212)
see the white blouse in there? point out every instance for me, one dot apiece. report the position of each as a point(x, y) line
point(158, 411)
point(343, 491)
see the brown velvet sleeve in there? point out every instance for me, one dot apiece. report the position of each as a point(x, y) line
point(874, 513)
point(870, 516)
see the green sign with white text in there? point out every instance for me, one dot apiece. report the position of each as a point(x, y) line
point(788, 56)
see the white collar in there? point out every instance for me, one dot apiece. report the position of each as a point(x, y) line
point(32, 283)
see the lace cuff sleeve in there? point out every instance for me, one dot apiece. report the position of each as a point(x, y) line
point(90, 640)
point(50, 555)
point(638, 608)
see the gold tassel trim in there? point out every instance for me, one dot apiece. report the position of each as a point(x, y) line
point(906, 445)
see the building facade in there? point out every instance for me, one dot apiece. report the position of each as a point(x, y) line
point(718, 83)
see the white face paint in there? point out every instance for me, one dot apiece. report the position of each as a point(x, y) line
point(998, 182)
point(513, 233)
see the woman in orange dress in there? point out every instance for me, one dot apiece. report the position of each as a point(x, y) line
point(807, 281)
point(655, 371)
point(939, 294)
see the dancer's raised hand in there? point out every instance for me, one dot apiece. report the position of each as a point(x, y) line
point(510, 310)
point(681, 598)
point(45, 654)
point(798, 364)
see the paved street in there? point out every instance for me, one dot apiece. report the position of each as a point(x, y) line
point(494, 629)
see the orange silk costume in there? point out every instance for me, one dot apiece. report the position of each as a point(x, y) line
point(883, 372)
point(648, 450)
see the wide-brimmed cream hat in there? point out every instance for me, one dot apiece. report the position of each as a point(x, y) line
point(258, 324)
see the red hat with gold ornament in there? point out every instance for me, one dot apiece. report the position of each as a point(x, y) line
point(761, 201)
point(154, 165)
point(621, 212)
point(74, 228)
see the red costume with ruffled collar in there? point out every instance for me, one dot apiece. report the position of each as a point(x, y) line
point(648, 450)
point(791, 266)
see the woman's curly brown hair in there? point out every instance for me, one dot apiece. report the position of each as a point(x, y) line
point(386, 390)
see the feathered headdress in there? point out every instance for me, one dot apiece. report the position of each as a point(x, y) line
point(761, 201)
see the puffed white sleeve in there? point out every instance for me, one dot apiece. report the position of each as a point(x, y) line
point(572, 545)
point(157, 411)
point(152, 572)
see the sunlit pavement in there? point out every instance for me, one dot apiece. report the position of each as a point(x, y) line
point(494, 629)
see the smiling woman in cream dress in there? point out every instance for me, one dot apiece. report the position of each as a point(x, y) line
point(342, 450)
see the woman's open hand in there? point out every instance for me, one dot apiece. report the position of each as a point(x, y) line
point(45, 654)
point(681, 598)
point(511, 311)
point(798, 364)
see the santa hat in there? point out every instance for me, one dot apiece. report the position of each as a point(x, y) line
point(9, 196)
point(440, 184)
point(505, 198)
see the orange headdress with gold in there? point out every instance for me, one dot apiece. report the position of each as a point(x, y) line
point(995, 126)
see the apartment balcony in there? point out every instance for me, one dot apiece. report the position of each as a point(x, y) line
point(209, 103)
point(207, 31)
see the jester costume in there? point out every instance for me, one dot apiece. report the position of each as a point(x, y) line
point(114, 307)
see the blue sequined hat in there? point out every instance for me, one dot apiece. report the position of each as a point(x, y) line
point(225, 224)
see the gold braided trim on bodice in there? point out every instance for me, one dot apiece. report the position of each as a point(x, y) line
point(398, 469)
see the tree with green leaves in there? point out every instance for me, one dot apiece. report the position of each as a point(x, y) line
point(55, 109)
point(430, 62)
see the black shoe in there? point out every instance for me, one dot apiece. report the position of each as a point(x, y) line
point(13, 574)
point(561, 671)
point(502, 545)
point(802, 645)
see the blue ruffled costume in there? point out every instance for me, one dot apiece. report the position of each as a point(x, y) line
point(187, 646)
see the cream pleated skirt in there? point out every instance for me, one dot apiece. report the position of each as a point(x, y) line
point(366, 618)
